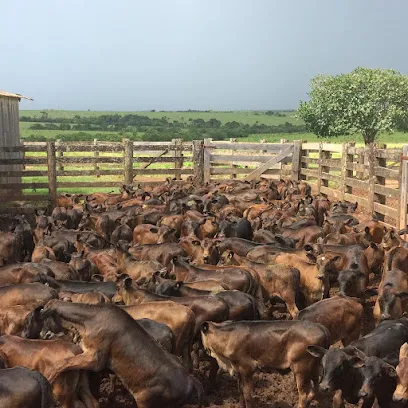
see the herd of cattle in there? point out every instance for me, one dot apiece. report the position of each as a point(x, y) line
point(152, 284)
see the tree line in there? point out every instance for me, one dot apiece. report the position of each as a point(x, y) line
point(142, 127)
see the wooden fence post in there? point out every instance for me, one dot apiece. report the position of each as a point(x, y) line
point(233, 165)
point(128, 162)
point(320, 168)
point(297, 150)
point(178, 156)
point(349, 173)
point(281, 170)
point(198, 161)
point(60, 154)
point(207, 160)
point(52, 173)
point(379, 180)
point(403, 186)
point(371, 176)
point(344, 161)
point(96, 156)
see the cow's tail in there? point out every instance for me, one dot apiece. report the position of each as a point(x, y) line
point(300, 300)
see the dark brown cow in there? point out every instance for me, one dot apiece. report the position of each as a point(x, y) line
point(241, 348)
point(111, 338)
point(342, 316)
point(23, 388)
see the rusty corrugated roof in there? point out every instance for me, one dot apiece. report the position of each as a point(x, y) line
point(14, 95)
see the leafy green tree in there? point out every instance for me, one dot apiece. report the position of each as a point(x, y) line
point(366, 101)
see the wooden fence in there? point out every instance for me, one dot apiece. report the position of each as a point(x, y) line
point(379, 183)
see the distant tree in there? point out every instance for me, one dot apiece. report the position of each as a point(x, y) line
point(366, 101)
point(44, 115)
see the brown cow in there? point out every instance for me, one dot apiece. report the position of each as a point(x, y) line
point(201, 252)
point(43, 355)
point(241, 348)
point(204, 307)
point(179, 318)
point(342, 316)
point(401, 392)
point(392, 298)
point(147, 234)
point(26, 293)
point(162, 253)
point(22, 273)
point(10, 248)
point(89, 298)
point(41, 251)
point(314, 282)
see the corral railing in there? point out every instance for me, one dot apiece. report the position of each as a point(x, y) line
point(376, 178)
point(379, 184)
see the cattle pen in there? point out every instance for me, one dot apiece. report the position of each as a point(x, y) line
point(376, 178)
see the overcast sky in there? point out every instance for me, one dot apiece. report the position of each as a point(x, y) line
point(190, 54)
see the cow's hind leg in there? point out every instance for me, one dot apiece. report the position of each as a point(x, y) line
point(338, 401)
point(304, 375)
point(246, 387)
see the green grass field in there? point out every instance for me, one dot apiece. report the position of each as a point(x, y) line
point(396, 139)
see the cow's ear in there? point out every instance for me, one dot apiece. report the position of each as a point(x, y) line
point(373, 245)
point(403, 351)
point(390, 371)
point(128, 282)
point(179, 284)
point(356, 362)
point(97, 277)
point(402, 295)
point(316, 351)
point(367, 230)
point(196, 243)
point(230, 255)
point(154, 230)
point(279, 239)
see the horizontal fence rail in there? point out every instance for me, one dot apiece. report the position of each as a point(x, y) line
point(377, 178)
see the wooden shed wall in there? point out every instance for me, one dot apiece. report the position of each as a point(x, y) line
point(9, 135)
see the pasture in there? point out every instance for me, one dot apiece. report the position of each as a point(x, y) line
point(392, 140)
